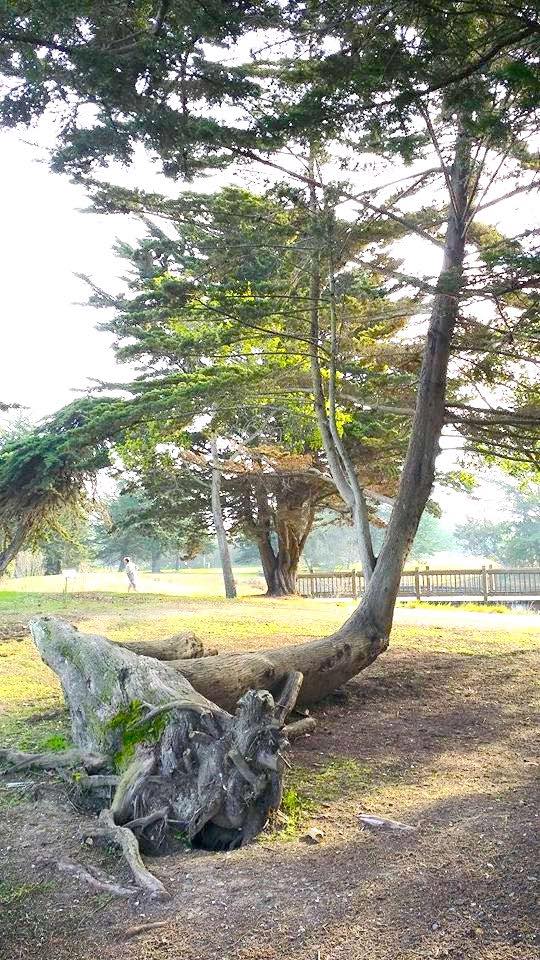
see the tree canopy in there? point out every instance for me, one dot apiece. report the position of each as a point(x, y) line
point(409, 85)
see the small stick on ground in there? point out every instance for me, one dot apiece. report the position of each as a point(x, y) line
point(125, 839)
point(300, 728)
point(144, 928)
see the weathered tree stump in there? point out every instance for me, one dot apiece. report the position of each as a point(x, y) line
point(183, 761)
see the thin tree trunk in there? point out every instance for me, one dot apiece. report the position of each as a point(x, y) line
point(221, 534)
point(156, 560)
point(339, 462)
point(12, 548)
point(359, 505)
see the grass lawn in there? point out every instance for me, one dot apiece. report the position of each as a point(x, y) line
point(438, 733)
point(171, 602)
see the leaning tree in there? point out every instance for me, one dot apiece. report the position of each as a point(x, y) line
point(404, 83)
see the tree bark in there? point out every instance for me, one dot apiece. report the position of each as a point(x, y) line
point(291, 523)
point(12, 548)
point(156, 560)
point(326, 664)
point(221, 533)
point(183, 761)
point(182, 646)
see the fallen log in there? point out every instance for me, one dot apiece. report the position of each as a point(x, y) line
point(182, 646)
point(182, 761)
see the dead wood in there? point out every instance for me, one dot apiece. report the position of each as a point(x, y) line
point(175, 759)
point(299, 728)
point(125, 839)
point(182, 646)
point(91, 762)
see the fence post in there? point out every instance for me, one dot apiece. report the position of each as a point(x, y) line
point(428, 581)
point(354, 587)
point(485, 584)
point(417, 583)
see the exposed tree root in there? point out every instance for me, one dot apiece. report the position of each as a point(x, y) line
point(91, 762)
point(93, 877)
point(108, 830)
point(184, 761)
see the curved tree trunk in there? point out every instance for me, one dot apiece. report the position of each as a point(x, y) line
point(325, 664)
point(419, 467)
point(183, 761)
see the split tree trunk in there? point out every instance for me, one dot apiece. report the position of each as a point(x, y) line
point(183, 761)
point(289, 522)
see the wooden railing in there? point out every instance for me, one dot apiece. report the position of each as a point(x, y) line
point(486, 583)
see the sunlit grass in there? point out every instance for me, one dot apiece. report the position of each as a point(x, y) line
point(251, 622)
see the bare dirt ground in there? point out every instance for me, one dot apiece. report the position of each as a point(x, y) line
point(445, 743)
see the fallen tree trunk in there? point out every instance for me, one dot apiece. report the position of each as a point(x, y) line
point(183, 761)
point(182, 646)
point(325, 664)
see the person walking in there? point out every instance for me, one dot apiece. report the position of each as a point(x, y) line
point(131, 572)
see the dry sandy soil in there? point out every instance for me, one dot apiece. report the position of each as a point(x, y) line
point(442, 742)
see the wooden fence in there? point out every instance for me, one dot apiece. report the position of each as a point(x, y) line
point(487, 583)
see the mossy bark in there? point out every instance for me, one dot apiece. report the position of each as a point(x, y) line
point(183, 760)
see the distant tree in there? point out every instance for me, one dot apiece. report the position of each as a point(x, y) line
point(512, 541)
point(431, 537)
point(148, 529)
point(66, 541)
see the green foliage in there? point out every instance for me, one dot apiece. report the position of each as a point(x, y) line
point(431, 538)
point(109, 72)
point(292, 817)
point(217, 315)
point(515, 540)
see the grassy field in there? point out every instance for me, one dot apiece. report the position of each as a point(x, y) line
point(439, 733)
point(169, 603)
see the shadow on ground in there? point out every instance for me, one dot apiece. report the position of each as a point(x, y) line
point(446, 744)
